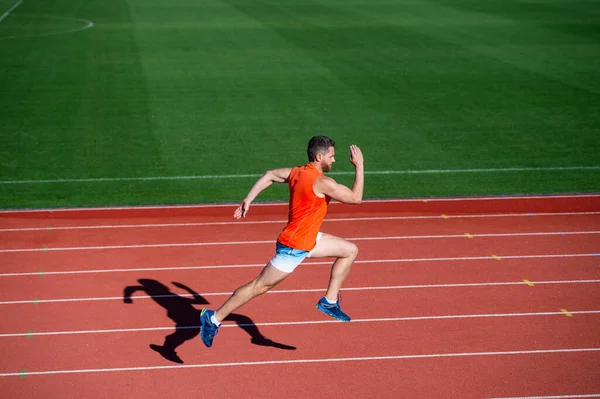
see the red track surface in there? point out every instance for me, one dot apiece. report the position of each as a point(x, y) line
point(481, 298)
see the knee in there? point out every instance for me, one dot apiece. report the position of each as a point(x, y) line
point(352, 250)
point(260, 289)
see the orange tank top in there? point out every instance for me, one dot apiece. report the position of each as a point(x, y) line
point(307, 211)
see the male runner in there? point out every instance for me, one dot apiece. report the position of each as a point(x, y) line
point(310, 193)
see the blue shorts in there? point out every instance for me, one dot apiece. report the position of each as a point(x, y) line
point(286, 259)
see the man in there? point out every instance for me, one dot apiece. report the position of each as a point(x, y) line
point(310, 193)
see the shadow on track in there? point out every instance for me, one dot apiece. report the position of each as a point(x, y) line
point(180, 309)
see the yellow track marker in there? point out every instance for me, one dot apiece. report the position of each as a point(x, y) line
point(425, 201)
point(529, 283)
point(566, 312)
point(468, 235)
point(444, 216)
point(496, 257)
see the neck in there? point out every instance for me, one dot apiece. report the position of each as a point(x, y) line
point(316, 165)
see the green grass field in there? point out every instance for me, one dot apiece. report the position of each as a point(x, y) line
point(208, 88)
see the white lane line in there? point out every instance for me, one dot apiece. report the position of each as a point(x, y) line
point(475, 235)
point(592, 395)
point(256, 175)
point(284, 204)
point(305, 361)
point(298, 291)
point(247, 265)
point(3, 16)
point(282, 221)
point(137, 246)
point(293, 323)
point(254, 242)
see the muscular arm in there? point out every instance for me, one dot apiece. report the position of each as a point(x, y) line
point(271, 176)
point(327, 186)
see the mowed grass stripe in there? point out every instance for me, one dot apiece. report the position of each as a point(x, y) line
point(74, 102)
point(235, 87)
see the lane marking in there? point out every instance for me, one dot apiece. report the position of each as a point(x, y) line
point(270, 241)
point(496, 257)
point(592, 395)
point(247, 265)
point(309, 322)
point(135, 246)
point(305, 361)
point(567, 313)
point(3, 16)
point(469, 235)
point(283, 221)
point(444, 216)
point(284, 204)
point(257, 175)
point(529, 283)
point(298, 291)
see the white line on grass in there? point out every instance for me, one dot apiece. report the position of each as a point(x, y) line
point(299, 291)
point(305, 361)
point(282, 221)
point(88, 24)
point(256, 175)
point(293, 323)
point(254, 242)
point(3, 16)
point(247, 265)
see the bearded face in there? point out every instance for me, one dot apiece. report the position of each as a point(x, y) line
point(327, 160)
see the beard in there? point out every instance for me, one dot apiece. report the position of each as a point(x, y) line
point(326, 168)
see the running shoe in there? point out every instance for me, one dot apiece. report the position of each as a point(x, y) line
point(332, 310)
point(208, 329)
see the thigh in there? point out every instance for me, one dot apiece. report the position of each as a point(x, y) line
point(270, 276)
point(332, 246)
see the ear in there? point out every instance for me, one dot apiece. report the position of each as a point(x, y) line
point(318, 156)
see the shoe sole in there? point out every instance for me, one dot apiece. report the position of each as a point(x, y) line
point(328, 313)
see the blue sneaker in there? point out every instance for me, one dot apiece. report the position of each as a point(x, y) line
point(208, 329)
point(332, 310)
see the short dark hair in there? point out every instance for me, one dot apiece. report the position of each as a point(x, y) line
point(318, 144)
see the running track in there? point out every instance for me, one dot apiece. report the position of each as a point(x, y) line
point(450, 298)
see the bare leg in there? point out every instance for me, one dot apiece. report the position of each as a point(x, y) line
point(268, 278)
point(345, 252)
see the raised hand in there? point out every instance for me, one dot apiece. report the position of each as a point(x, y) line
point(356, 156)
